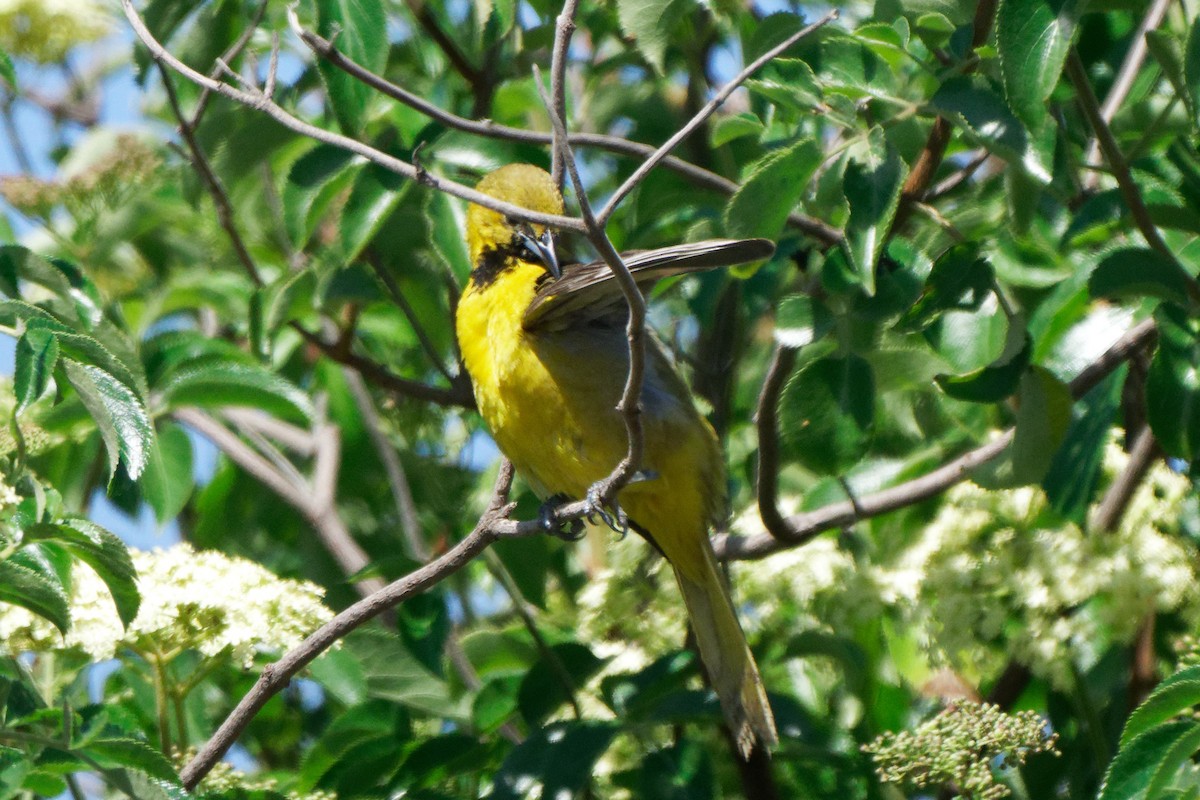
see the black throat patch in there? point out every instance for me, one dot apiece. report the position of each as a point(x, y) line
point(495, 260)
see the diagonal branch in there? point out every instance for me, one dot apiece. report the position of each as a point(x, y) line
point(821, 231)
point(804, 527)
point(564, 27)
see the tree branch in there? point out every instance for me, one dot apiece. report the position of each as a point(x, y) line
point(564, 27)
point(821, 231)
point(707, 111)
point(1112, 154)
point(276, 676)
point(1112, 507)
point(803, 527)
point(767, 425)
point(259, 101)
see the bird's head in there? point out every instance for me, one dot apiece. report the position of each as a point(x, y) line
point(490, 232)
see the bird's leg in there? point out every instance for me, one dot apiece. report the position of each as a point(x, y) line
point(548, 519)
point(614, 519)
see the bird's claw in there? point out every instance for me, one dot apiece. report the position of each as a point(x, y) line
point(615, 518)
point(572, 531)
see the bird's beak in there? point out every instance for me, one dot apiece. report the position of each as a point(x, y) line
point(542, 248)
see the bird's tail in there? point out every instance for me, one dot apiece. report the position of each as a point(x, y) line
point(726, 656)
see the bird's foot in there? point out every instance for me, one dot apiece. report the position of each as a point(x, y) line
point(611, 514)
point(571, 531)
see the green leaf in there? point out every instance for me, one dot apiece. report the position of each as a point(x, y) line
point(447, 221)
point(495, 703)
point(1033, 37)
point(217, 382)
point(1075, 470)
point(1173, 384)
point(36, 357)
point(1150, 760)
point(559, 758)
point(119, 414)
point(168, 480)
point(130, 754)
point(996, 381)
point(373, 197)
point(360, 32)
point(103, 552)
point(649, 22)
point(827, 414)
point(873, 193)
point(341, 674)
point(801, 320)
point(734, 126)
point(39, 592)
point(774, 186)
point(542, 689)
point(961, 279)
point(1042, 419)
point(1138, 272)
point(393, 674)
point(987, 120)
point(1176, 695)
point(313, 182)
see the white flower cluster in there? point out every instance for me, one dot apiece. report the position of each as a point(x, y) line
point(1000, 580)
point(44, 30)
point(198, 600)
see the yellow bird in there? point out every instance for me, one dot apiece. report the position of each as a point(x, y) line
point(547, 352)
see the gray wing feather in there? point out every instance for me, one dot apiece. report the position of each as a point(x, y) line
point(589, 291)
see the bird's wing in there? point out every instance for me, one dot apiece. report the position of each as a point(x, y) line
point(589, 291)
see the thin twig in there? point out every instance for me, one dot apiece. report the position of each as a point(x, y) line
point(1077, 74)
point(767, 423)
point(1123, 83)
point(231, 53)
point(393, 289)
point(216, 190)
point(709, 108)
point(564, 26)
point(804, 527)
point(931, 155)
point(630, 406)
point(420, 11)
point(821, 231)
point(257, 100)
point(1116, 500)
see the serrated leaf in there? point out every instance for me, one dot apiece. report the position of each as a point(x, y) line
point(873, 193)
point(40, 593)
point(446, 224)
point(1176, 695)
point(997, 380)
point(1149, 759)
point(36, 357)
point(119, 414)
point(100, 550)
point(217, 382)
point(394, 674)
point(734, 126)
point(1137, 272)
point(1042, 419)
point(987, 120)
point(168, 480)
point(649, 22)
point(360, 31)
point(131, 754)
point(1167, 52)
point(1033, 37)
point(776, 183)
point(827, 414)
